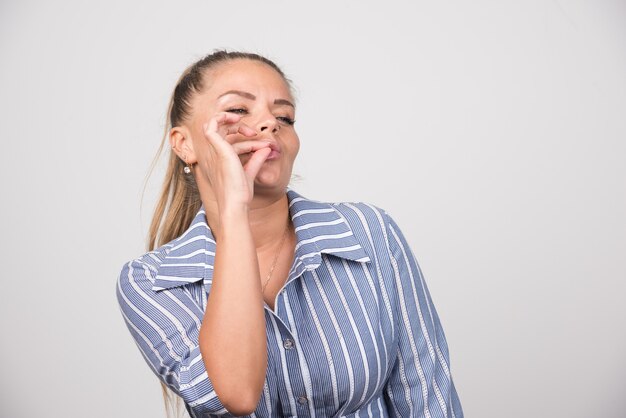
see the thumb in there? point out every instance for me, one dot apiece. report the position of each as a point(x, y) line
point(255, 162)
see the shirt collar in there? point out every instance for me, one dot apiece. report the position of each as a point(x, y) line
point(320, 229)
point(189, 258)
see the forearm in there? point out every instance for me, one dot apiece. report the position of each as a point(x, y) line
point(232, 336)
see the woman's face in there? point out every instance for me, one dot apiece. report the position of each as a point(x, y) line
point(262, 97)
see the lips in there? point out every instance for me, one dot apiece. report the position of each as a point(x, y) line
point(275, 151)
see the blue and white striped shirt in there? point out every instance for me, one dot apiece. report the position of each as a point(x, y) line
point(354, 332)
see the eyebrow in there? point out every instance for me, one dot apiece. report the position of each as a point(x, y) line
point(251, 96)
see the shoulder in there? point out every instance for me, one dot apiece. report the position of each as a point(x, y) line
point(374, 228)
point(364, 219)
point(371, 225)
point(362, 215)
point(141, 272)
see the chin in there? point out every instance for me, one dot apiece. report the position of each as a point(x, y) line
point(268, 180)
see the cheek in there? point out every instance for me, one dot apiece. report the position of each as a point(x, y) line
point(199, 143)
point(295, 145)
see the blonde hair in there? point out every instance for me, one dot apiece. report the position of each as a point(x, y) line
point(179, 200)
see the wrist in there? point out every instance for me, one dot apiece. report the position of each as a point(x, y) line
point(233, 216)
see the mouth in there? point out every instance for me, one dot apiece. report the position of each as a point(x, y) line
point(275, 153)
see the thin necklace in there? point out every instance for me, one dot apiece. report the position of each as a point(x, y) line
point(280, 247)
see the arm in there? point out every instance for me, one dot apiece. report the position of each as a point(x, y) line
point(165, 325)
point(232, 335)
point(221, 351)
point(420, 384)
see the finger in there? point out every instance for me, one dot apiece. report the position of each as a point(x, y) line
point(255, 162)
point(249, 146)
point(246, 130)
point(223, 118)
point(238, 131)
point(216, 139)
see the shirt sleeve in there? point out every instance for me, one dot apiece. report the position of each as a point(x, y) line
point(165, 325)
point(420, 384)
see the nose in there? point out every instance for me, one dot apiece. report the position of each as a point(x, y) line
point(269, 125)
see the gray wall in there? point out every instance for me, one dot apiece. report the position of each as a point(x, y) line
point(493, 131)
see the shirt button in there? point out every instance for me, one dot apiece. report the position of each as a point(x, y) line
point(302, 400)
point(288, 344)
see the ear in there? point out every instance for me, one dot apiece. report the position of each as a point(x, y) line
point(182, 144)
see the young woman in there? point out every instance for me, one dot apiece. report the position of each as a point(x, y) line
point(254, 300)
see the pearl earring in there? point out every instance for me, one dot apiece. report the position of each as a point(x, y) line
point(187, 169)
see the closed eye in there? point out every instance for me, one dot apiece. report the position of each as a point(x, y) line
point(286, 120)
point(238, 111)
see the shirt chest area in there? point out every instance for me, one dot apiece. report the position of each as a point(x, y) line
point(331, 340)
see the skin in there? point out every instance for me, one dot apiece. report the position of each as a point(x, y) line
point(242, 150)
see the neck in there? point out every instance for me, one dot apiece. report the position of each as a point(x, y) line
point(267, 214)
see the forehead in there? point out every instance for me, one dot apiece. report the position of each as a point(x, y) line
point(242, 74)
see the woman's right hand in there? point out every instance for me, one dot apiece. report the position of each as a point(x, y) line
point(237, 373)
point(231, 180)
